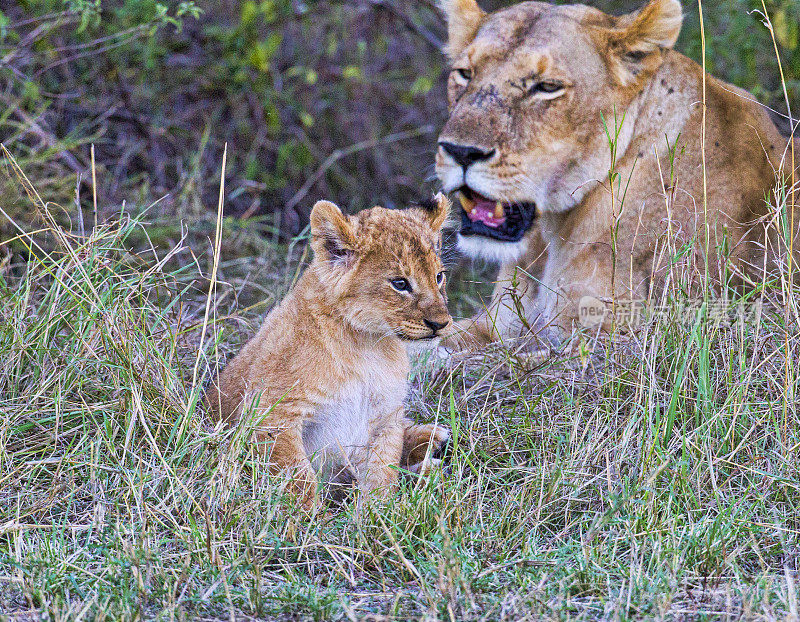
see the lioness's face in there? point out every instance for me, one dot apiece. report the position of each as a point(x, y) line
point(529, 92)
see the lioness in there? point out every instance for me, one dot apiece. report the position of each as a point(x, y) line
point(536, 95)
point(327, 372)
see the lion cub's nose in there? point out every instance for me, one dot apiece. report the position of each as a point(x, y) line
point(435, 326)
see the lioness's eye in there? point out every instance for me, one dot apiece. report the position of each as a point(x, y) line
point(546, 87)
point(464, 74)
point(400, 284)
point(636, 55)
point(440, 278)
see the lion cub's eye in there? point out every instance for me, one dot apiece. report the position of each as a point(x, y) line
point(400, 284)
point(440, 279)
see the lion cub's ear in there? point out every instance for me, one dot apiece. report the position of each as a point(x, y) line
point(332, 235)
point(436, 211)
point(639, 35)
point(463, 19)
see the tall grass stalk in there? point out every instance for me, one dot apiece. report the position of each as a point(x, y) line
point(790, 205)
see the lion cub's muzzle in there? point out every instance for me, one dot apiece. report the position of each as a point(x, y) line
point(437, 326)
point(429, 328)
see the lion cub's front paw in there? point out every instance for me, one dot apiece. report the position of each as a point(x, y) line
point(427, 466)
point(440, 443)
point(424, 447)
point(464, 335)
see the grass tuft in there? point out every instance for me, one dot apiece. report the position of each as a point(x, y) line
point(656, 478)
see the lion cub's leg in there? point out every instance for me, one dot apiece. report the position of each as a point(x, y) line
point(287, 456)
point(423, 445)
point(376, 465)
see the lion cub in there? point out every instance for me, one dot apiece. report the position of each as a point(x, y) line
point(327, 372)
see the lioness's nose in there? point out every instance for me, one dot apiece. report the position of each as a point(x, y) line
point(466, 155)
point(434, 325)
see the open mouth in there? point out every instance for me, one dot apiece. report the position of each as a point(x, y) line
point(481, 215)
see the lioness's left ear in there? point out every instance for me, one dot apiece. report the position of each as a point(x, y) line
point(653, 28)
point(436, 211)
point(463, 17)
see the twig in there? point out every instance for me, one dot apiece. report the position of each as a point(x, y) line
point(41, 18)
point(423, 32)
point(106, 48)
point(29, 38)
point(48, 139)
point(341, 153)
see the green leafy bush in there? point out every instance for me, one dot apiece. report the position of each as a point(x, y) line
point(161, 87)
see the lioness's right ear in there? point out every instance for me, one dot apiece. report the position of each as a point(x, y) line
point(464, 17)
point(636, 42)
point(654, 27)
point(332, 235)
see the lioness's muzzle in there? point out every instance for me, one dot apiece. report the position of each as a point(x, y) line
point(506, 222)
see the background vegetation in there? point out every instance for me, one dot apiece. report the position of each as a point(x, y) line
point(658, 479)
point(160, 88)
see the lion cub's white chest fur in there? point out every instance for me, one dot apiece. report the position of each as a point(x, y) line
point(338, 434)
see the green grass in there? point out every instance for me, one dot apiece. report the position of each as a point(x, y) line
point(657, 478)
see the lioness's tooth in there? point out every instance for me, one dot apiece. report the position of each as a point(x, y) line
point(467, 204)
point(498, 211)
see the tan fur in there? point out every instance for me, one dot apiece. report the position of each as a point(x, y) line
point(552, 150)
point(460, 31)
point(326, 375)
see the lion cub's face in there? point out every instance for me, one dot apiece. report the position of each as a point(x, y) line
point(383, 268)
point(530, 88)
